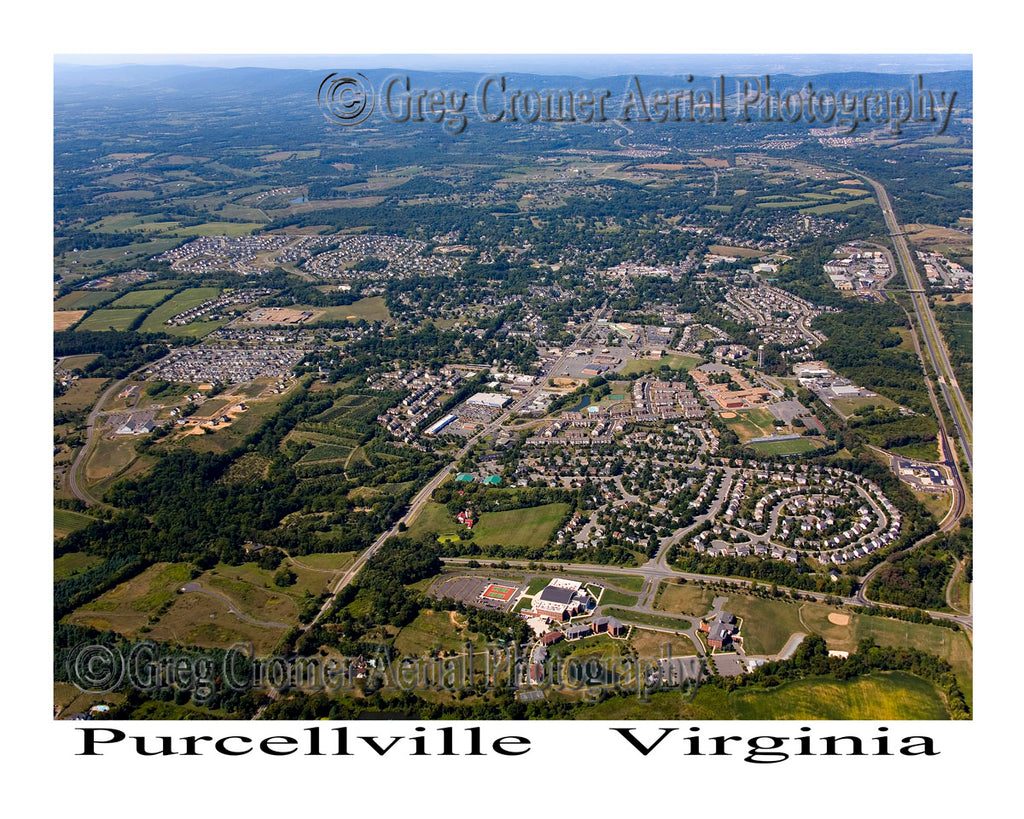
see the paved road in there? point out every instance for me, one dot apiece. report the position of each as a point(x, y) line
point(948, 385)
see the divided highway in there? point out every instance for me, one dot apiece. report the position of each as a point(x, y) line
point(953, 397)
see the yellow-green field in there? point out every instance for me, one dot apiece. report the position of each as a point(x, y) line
point(879, 696)
point(110, 319)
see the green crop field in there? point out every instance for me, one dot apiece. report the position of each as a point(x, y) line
point(110, 319)
point(521, 527)
point(82, 299)
point(878, 696)
point(142, 298)
point(185, 300)
point(65, 522)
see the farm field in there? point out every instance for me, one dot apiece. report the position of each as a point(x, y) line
point(142, 298)
point(65, 522)
point(66, 319)
point(888, 695)
point(218, 229)
point(82, 299)
point(111, 319)
point(185, 300)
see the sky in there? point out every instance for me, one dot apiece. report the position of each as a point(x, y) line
point(582, 65)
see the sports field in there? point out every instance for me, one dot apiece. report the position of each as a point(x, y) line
point(497, 592)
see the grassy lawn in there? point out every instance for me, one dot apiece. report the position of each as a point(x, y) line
point(111, 319)
point(848, 406)
point(372, 308)
point(685, 599)
point(656, 644)
point(65, 522)
point(794, 447)
point(709, 703)
point(185, 300)
point(922, 450)
point(675, 361)
point(878, 696)
point(767, 624)
point(642, 618)
point(937, 503)
point(74, 362)
point(433, 518)
point(522, 527)
point(630, 582)
point(952, 646)
point(610, 597)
